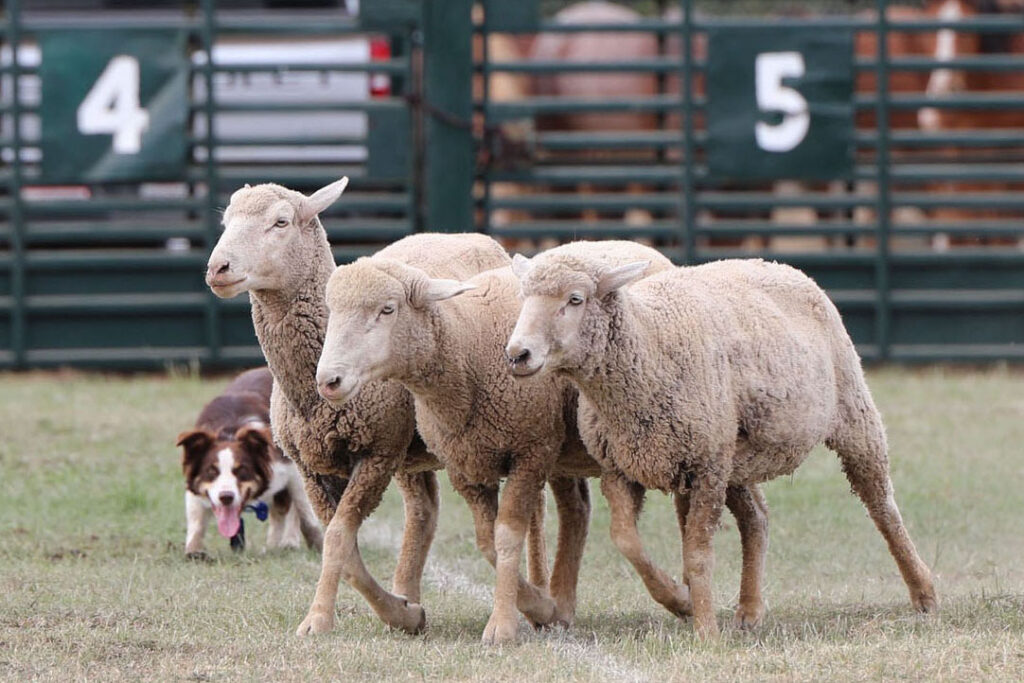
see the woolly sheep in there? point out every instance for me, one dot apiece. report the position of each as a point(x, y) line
point(275, 248)
point(391, 321)
point(701, 379)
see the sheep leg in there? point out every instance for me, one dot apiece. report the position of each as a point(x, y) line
point(515, 509)
point(341, 558)
point(868, 475)
point(748, 506)
point(573, 499)
point(536, 547)
point(532, 601)
point(625, 499)
point(422, 502)
point(707, 498)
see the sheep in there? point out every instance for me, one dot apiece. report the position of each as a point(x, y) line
point(389, 320)
point(275, 248)
point(698, 380)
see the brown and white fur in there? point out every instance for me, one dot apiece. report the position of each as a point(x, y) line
point(229, 461)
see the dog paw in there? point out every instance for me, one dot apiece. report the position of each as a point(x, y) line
point(315, 622)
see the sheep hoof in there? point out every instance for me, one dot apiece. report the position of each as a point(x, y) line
point(748, 616)
point(926, 603)
point(315, 622)
point(412, 619)
point(198, 556)
point(499, 631)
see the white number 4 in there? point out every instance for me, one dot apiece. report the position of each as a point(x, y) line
point(112, 106)
point(769, 70)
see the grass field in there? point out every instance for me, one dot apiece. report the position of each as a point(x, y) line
point(93, 584)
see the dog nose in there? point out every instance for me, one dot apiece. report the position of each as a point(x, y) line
point(226, 498)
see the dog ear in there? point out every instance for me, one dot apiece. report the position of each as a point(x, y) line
point(196, 443)
point(258, 443)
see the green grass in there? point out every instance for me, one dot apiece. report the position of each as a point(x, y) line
point(93, 584)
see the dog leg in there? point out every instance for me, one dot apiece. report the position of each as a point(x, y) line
point(197, 516)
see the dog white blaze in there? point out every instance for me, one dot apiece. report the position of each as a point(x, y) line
point(229, 517)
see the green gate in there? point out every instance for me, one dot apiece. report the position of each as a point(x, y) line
point(123, 140)
point(787, 138)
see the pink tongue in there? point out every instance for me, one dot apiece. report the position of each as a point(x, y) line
point(228, 519)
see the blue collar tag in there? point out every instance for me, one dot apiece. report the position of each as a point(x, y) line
point(261, 509)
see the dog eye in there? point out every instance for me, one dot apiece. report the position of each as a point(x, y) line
point(242, 472)
point(575, 299)
point(212, 471)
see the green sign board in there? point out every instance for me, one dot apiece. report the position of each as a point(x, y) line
point(780, 102)
point(114, 105)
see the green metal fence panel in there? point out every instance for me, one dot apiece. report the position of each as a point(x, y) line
point(915, 232)
point(104, 269)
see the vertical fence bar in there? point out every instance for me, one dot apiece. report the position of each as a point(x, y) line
point(17, 213)
point(883, 310)
point(485, 85)
point(213, 326)
point(448, 60)
point(688, 213)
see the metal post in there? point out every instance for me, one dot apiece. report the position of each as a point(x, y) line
point(448, 58)
point(883, 198)
point(17, 213)
point(485, 74)
point(688, 213)
point(213, 326)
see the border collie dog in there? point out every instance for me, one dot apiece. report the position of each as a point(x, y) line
point(230, 462)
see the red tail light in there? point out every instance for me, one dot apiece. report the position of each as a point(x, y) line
point(380, 84)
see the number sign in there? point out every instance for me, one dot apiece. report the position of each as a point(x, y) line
point(115, 105)
point(780, 103)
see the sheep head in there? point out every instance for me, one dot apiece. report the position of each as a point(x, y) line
point(271, 235)
point(378, 308)
point(560, 297)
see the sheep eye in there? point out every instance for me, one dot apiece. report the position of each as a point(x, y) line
point(281, 222)
point(575, 299)
point(387, 310)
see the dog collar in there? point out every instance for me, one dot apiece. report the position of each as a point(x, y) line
point(261, 509)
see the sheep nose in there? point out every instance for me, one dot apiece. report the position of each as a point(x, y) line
point(217, 268)
point(515, 356)
point(329, 387)
point(226, 498)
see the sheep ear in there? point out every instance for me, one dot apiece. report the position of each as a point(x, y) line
point(520, 265)
point(321, 199)
point(437, 289)
point(616, 278)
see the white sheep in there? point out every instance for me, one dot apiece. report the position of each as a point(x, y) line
point(275, 248)
point(697, 380)
point(392, 321)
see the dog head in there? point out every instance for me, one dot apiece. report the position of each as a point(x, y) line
point(229, 473)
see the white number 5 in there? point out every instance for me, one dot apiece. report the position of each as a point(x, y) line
point(769, 70)
point(112, 106)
